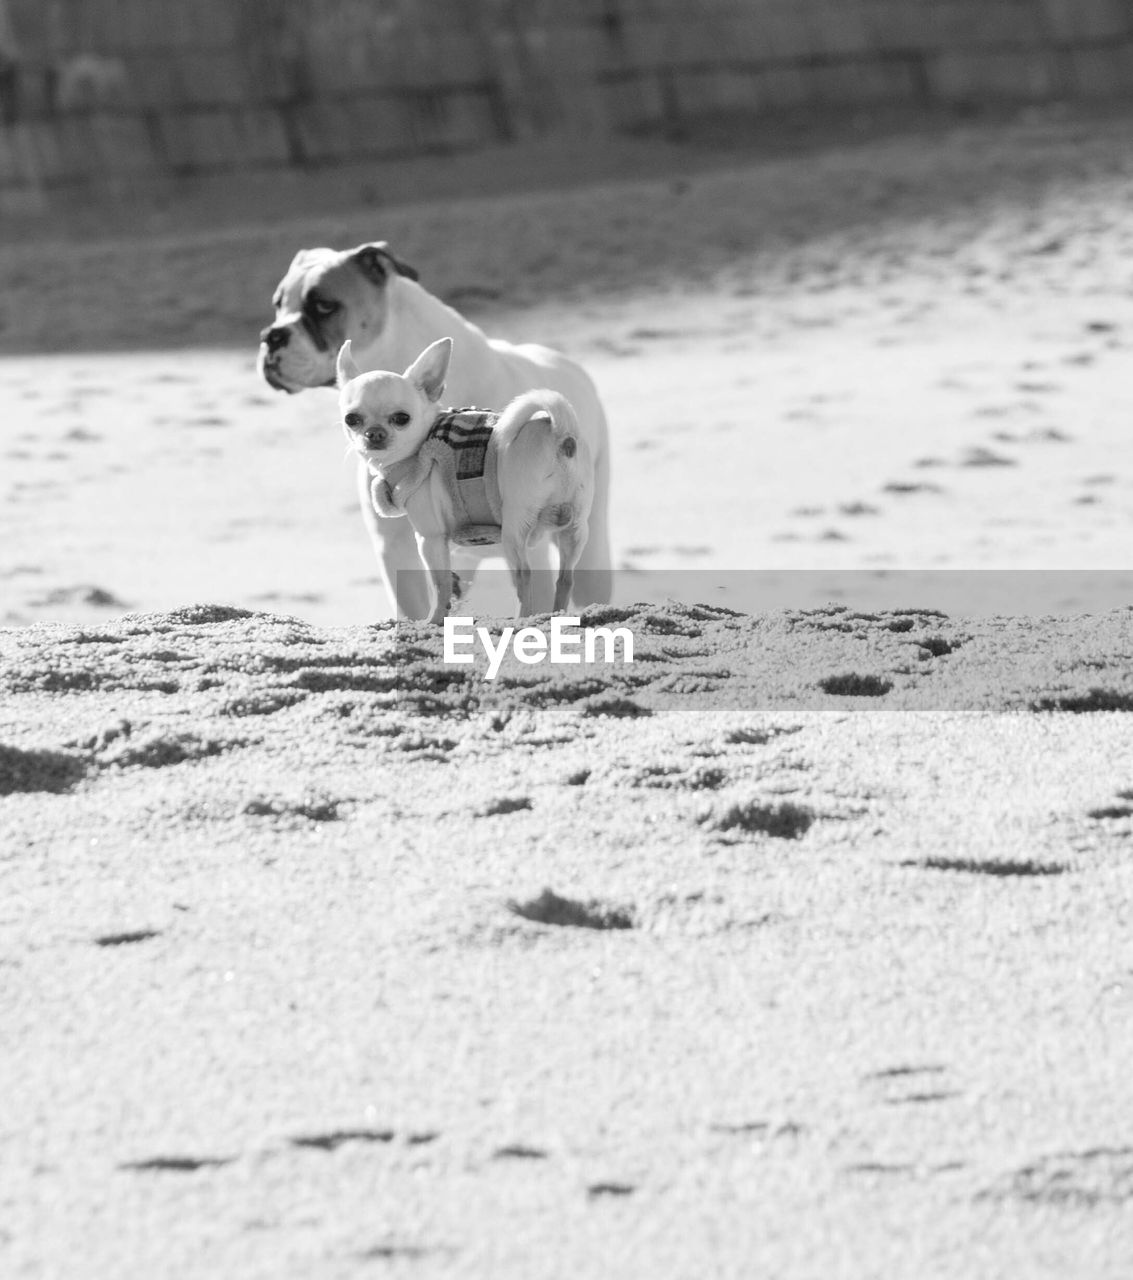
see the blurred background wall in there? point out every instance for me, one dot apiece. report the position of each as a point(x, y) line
point(95, 90)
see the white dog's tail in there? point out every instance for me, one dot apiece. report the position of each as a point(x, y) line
point(535, 406)
point(546, 464)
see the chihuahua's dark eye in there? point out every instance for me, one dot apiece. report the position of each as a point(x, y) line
point(353, 419)
point(322, 308)
point(399, 419)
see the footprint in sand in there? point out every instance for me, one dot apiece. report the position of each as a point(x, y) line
point(777, 819)
point(1000, 867)
point(519, 1151)
point(175, 1164)
point(1037, 435)
point(506, 804)
point(852, 685)
point(600, 1189)
point(906, 1085)
point(127, 938)
point(1084, 1179)
point(311, 808)
point(904, 488)
point(981, 456)
point(335, 1138)
point(1113, 812)
point(23, 770)
point(391, 1252)
point(552, 909)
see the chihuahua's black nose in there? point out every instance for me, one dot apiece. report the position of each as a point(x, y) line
point(274, 337)
point(375, 438)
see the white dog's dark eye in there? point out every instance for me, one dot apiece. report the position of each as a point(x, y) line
point(322, 308)
point(353, 419)
point(399, 419)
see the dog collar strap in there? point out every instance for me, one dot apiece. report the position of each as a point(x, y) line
point(403, 479)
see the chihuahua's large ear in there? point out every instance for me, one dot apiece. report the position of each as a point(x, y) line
point(374, 260)
point(345, 366)
point(430, 368)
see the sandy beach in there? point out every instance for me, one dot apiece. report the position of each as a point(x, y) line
point(798, 947)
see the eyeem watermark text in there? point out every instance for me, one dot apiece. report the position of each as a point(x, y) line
point(566, 643)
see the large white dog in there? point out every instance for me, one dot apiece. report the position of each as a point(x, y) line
point(369, 296)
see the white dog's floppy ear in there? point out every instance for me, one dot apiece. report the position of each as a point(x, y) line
point(430, 368)
point(375, 259)
point(345, 366)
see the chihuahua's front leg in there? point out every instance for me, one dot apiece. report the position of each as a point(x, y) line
point(435, 553)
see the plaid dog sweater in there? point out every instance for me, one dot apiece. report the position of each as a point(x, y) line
point(462, 445)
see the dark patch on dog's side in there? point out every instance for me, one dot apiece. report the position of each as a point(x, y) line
point(550, 908)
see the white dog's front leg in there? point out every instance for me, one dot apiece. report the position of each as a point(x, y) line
point(435, 553)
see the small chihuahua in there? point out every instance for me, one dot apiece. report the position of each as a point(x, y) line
point(470, 476)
